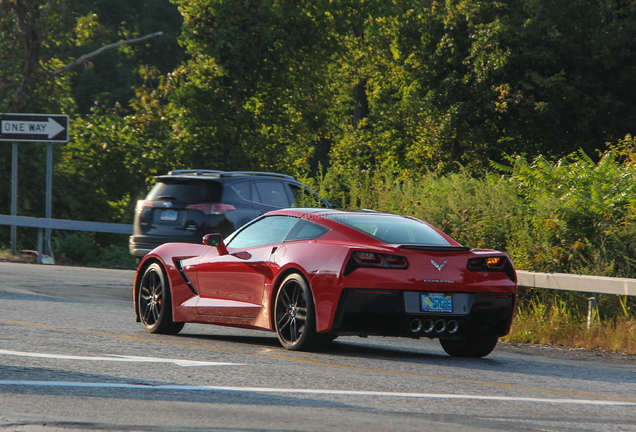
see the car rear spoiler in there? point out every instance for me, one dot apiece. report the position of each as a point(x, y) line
point(433, 248)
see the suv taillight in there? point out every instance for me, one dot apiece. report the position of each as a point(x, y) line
point(143, 204)
point(211, 209)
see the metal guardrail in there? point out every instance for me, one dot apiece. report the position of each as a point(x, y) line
point(580, 283)
point(594, 285)
point(63, 224)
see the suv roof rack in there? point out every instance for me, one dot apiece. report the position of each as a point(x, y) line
point(195, 172)
point(216, 173)
point(238, 173)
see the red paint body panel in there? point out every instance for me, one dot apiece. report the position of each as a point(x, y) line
point(238, 288)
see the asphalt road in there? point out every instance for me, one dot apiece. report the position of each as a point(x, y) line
point(72, 358)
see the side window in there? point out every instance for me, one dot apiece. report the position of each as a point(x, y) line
point(255, 196)
point(272, 193)
point(244, 190)
point(266, 231)
point(305, 230)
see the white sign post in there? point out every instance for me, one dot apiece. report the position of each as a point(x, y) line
point(47, 128)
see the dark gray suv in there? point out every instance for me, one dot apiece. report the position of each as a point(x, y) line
point(184, 205)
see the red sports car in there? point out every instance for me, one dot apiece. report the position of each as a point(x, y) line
point(311, 275)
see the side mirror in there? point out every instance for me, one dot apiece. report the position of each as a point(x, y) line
point(215, 240)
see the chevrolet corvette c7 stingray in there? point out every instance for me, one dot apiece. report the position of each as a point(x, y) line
point(311, 275)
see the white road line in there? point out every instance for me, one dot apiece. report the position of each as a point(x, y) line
point(313, 392)
point(118, 358)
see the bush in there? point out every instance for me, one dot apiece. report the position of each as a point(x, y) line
point(572, 215)
point(83, 248)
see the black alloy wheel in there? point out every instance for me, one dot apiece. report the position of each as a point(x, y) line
point(154, 302)
point(469, 346)
point(295, 318)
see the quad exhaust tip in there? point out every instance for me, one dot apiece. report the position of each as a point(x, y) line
point(440, 326)
point(452, 326)
point(427, 327)
point(416, 325)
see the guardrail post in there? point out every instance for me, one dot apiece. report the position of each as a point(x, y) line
point(40, 245)
point(592, 309)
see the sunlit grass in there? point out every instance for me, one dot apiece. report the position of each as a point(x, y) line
point(553, 323)
point(6, 255)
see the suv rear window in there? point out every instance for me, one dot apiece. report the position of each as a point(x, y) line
point(187, 191)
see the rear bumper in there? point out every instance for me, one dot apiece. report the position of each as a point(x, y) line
point(397, 313)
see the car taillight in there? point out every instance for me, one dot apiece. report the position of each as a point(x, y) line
point(368, 259)
point(372, 259)
point(395, 261)
point(143, 204)
point(495, 263)
point(492, 264)
point(211, 209)
point(486, 264)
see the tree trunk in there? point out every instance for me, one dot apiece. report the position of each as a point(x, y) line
point(361, 104)
point(26, 15)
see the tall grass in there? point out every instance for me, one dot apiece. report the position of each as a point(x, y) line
point(555, 320)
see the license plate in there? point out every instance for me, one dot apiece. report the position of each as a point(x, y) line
point(169, 215)
point(433, 302)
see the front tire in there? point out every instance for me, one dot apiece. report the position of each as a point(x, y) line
point(469, 346)
point(295, 318)
point(154, 302)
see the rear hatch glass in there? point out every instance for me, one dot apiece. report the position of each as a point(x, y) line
point(186, 191)
point(391, 229)
point(176, 207)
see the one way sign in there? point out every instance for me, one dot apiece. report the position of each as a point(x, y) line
point(34, 127)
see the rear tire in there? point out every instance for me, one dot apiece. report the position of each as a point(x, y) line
point(295, 317)
point(154, 302)
point(469, 346)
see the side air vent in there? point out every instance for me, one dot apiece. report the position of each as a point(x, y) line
point(185, 277)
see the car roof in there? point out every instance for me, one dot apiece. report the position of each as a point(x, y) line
point(215, 174)
point(324, 212)
point(319, 212)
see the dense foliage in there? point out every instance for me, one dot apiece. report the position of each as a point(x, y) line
point(573, 215)
point(355, 95)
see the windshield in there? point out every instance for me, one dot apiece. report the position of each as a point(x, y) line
point(393, 229)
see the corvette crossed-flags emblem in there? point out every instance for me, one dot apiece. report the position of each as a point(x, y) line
point(439, 267)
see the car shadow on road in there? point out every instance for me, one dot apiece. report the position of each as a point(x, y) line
point(265, 341)
point(538, 366)
point(349, 347)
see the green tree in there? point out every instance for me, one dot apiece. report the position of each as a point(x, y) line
point(466, 82)
point(38, 43)
point(255, 92)
point(112, 76)
point(34, 35)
